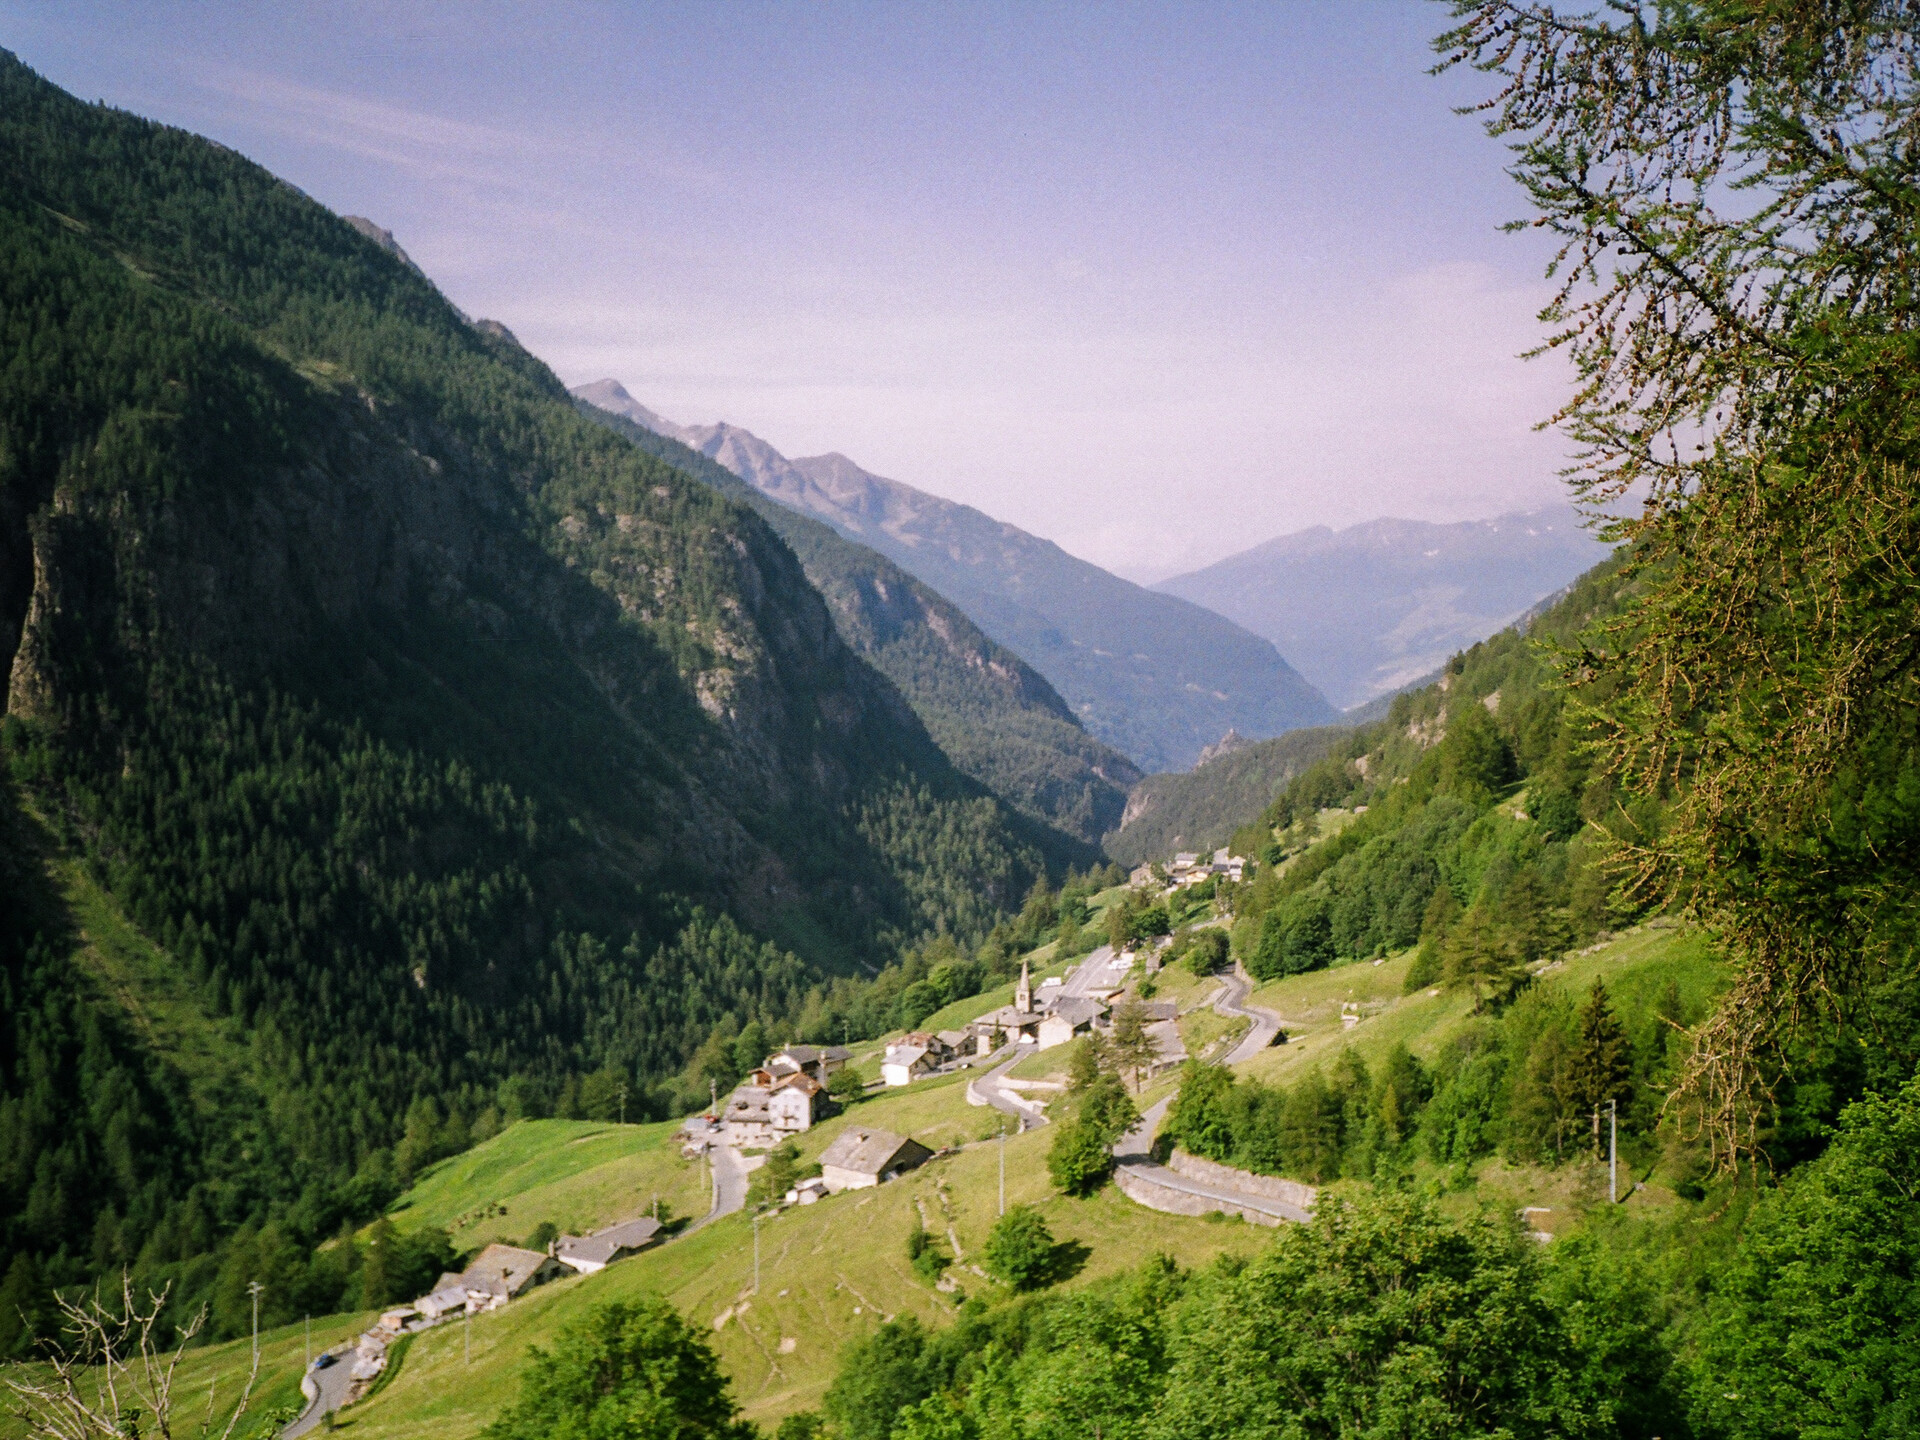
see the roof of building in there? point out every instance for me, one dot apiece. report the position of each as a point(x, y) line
point(905, 1054)
point(1076, 1010)
point(1155, 1010)
point(800, 1081)
point(1010, 1017)
point(953, 1039)
point(502, 1268)
point(868, 1152)
point(808, 1054)
point(603, 1245)
point(747, 1102)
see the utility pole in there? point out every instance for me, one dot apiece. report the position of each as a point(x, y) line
point(1003, 1164)
point(713, 1095)
point(466, 1331)
point(306, 1338)
point(1613, 1152)
point(756, 1252)
point(623, 1104)
point(254, 1287)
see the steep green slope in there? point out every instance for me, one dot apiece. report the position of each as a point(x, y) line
point(1199, 809)
point(995, 717)
point(438, 739)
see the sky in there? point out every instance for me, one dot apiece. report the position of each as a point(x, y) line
point(1157, 282)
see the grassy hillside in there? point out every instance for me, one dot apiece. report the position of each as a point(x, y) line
point(830, 1272)
point(1636, 966)
point(576, 1175)
point(998, 719)
point(1200, 809)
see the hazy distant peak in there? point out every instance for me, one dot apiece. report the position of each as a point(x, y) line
point(1153, 675)
point(1368, 609)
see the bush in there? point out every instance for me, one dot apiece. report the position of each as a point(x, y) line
point(846, 1086)
point(1206, 952)
point(925, 1256)
point(1020, 1249)
point(630, 1368)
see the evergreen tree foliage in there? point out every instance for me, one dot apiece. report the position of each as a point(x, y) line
point(1729, 184)
point(1815, 1328)
point(451, 759)
point(1600, 1069)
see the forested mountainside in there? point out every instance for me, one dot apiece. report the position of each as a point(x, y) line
point(997, 719)
point(436, 742)
point(1152, 675)
point(1370, 609)
point(1200, 809)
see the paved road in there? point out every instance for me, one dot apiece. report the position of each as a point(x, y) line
point(1134, 1149)
point(333, 1384)
point(1266, 1024)
point(989, 1089)
point(1100, 970)
point(730, 1171)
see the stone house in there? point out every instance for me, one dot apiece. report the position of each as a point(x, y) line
point(860, 1158)
point(588, 1253)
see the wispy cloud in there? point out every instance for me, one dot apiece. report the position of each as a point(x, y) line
point(392, 134)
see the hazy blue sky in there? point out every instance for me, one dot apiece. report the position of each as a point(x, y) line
point(1155, 281)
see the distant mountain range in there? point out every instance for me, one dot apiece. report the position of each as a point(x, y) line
point(1373, 608)
point(1150, 674)
point(997, 718)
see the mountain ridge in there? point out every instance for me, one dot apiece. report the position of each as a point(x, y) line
point(1376, 607)
point(999, 719)
point(1155, 676)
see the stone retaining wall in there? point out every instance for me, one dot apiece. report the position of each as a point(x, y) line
point(1136, 1182)
point(1268, 1187)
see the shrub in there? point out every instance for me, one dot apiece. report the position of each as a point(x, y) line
point(1020, 1249)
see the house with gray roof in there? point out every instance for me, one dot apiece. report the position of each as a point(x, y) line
point(1067, 1017)
point(588, 1253)
point(501, 1273)
point(861, 1157)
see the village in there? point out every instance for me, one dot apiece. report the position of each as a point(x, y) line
point(798, 1086)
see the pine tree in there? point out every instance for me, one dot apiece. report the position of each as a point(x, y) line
point(1478, 957)
point(1601, 1067)
point(1443, 911)
point(1132, 1047)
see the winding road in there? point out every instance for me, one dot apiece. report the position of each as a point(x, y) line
point(987, 1089)
point(329, 1393)
point(1266, 1024)
point(1135, 1152)
point(730, 1171)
